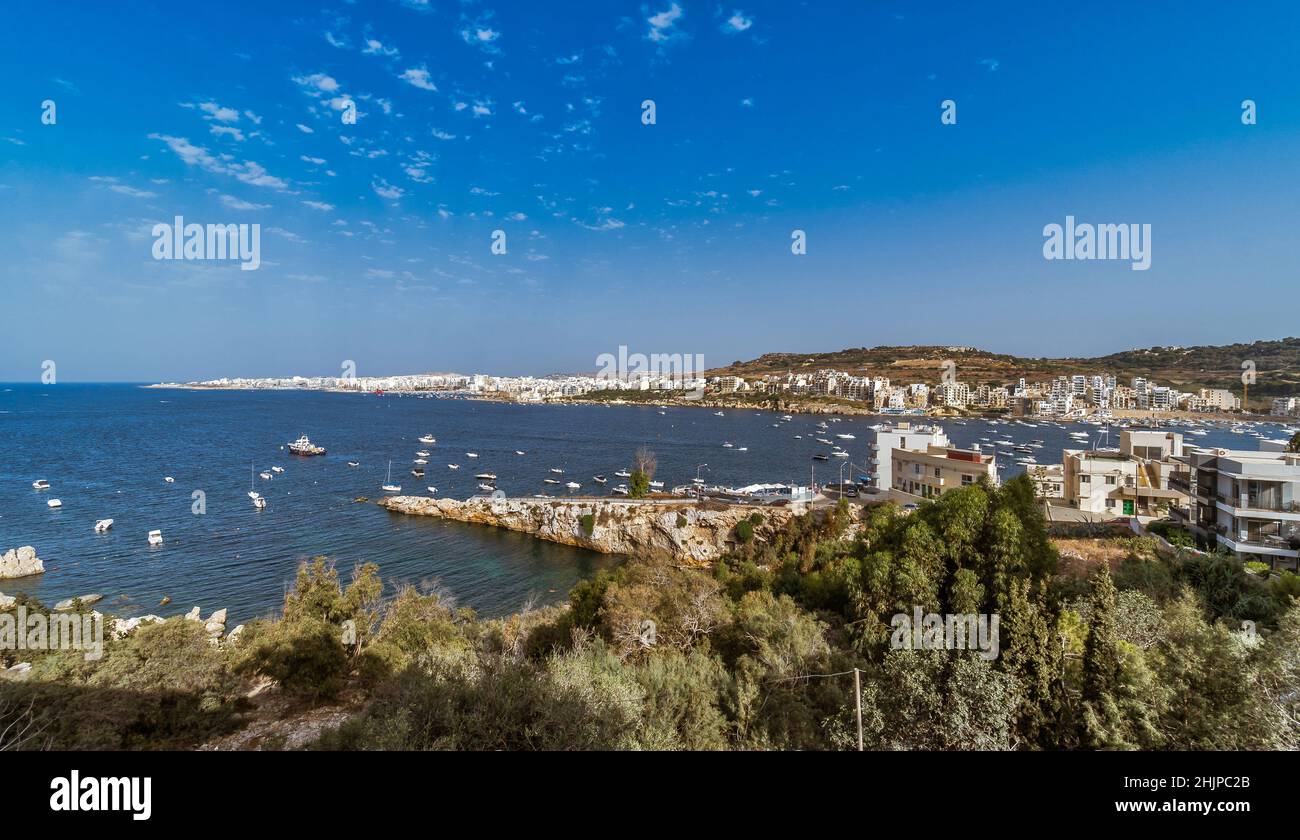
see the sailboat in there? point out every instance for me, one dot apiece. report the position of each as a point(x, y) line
point(389, 486)
point(252, 494)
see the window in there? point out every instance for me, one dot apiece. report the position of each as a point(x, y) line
point(1110, 480)
point(967, 479)
point(1085, 479)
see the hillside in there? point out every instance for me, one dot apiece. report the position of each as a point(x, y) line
point(1277, 365)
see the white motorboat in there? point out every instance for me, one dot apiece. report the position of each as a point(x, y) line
point(846, 437)
point(103, 525)
point(453, 466)
point(487, 476)
point(169, 479)
point(155, 537)
point(622, 474)
point(520, 452)
point(718, 414)
point(471, 454)
point(432, 489)
point(259, 503)
point(421, 461)
point(599, 479)
point(621, 490)
point(550, 481)
point(354, 463)
point(486, 488)
point(573, 485)
point(423, 453)
point(266, 476)
point(656, 485)
point(557, 470)
point(427, 439)
point(41, 484)
point(55, 503)
point(277, 469)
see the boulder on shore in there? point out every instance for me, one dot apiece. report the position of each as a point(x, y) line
point(20, 562)
point(86, 600)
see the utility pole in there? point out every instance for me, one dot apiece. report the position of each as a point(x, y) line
point(857, 702)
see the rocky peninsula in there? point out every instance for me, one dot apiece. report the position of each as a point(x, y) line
point(687, 531)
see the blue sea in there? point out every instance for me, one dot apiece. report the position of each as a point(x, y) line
point(106, 449)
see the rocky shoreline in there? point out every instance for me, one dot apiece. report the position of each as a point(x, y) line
point(684, 530)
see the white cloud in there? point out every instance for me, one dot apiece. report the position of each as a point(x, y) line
point(374, 47)
point(218, 112)
point(248, 172)
point(239, 204)
point(663, 26)
point(443, 135)
point(383, 189)
point(318, 205)
point(321, 82)
point(419, 77)
point(334, 41)
point(737, 22)
point(305, 130)
point(228, 131)
point(315, 160)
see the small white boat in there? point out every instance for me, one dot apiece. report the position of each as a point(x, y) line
point(169, 479)
point(389, 486)
point(742, 449)
point(103, 525)
point(55, 503)
point(718, 414)
point(520, 452)
point(155, 538)
point(259, 503)
point(846, 437)
point(623, 474)
point(427, 439)
point(254, 495)
point(41, 484)
point(421, 461)
point(487, 476)
point(432, 489)
point(599, 479)
point(354, 463)
point(277, 469)
point(266, 476)
point(621, 490)
point(557, 470)
point(656, 485)
point(573, 485)
point(727, 445)
point(453, 466)
point(550, 481)
point(486, 488)
point(471, 454)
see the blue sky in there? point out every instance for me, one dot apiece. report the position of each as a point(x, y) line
point(674, 237)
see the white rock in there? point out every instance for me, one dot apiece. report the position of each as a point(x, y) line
point(193, 615)
point(20, 562)
point(86, 600)
point(6, 601)
point(219, 616)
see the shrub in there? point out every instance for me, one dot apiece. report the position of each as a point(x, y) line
point(745, 531)
point(588, 523)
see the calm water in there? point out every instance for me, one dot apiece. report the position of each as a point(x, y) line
point(106, 448)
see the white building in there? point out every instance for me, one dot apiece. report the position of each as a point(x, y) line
point(901, 436)
point(1248, 502)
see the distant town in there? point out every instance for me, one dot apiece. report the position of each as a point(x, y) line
point(1066, 397)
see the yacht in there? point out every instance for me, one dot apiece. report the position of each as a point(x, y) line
point(420, 461)
point(573, 485)
point(427, 439)
point(55, 503)
point(821, 458)
point(41, 484)
point(389, 486)
point(488, 476)
point(453, 466)
point(155, 538)
point(304, 446)
point(169, 479)
point(520, 452)
point(656, 485)
point(599, 479)
point(354, 463)
point(423, 453)
point(471, 454)
point(266, 476)
point(727, 445)
point(103, 525)
point(277, 469)
point(846, 437)
point(622, 474)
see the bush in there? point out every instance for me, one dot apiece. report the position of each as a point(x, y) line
point(745, 531)
point(588, 523)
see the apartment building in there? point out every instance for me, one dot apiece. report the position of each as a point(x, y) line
point(1135, 480)
point(938, 469)
point(1049, 481)
point(900, 436)
point(1285, 406)
point(1248, 502)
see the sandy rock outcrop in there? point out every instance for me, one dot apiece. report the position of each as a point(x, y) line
point(686, 531)
point(20, 562)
